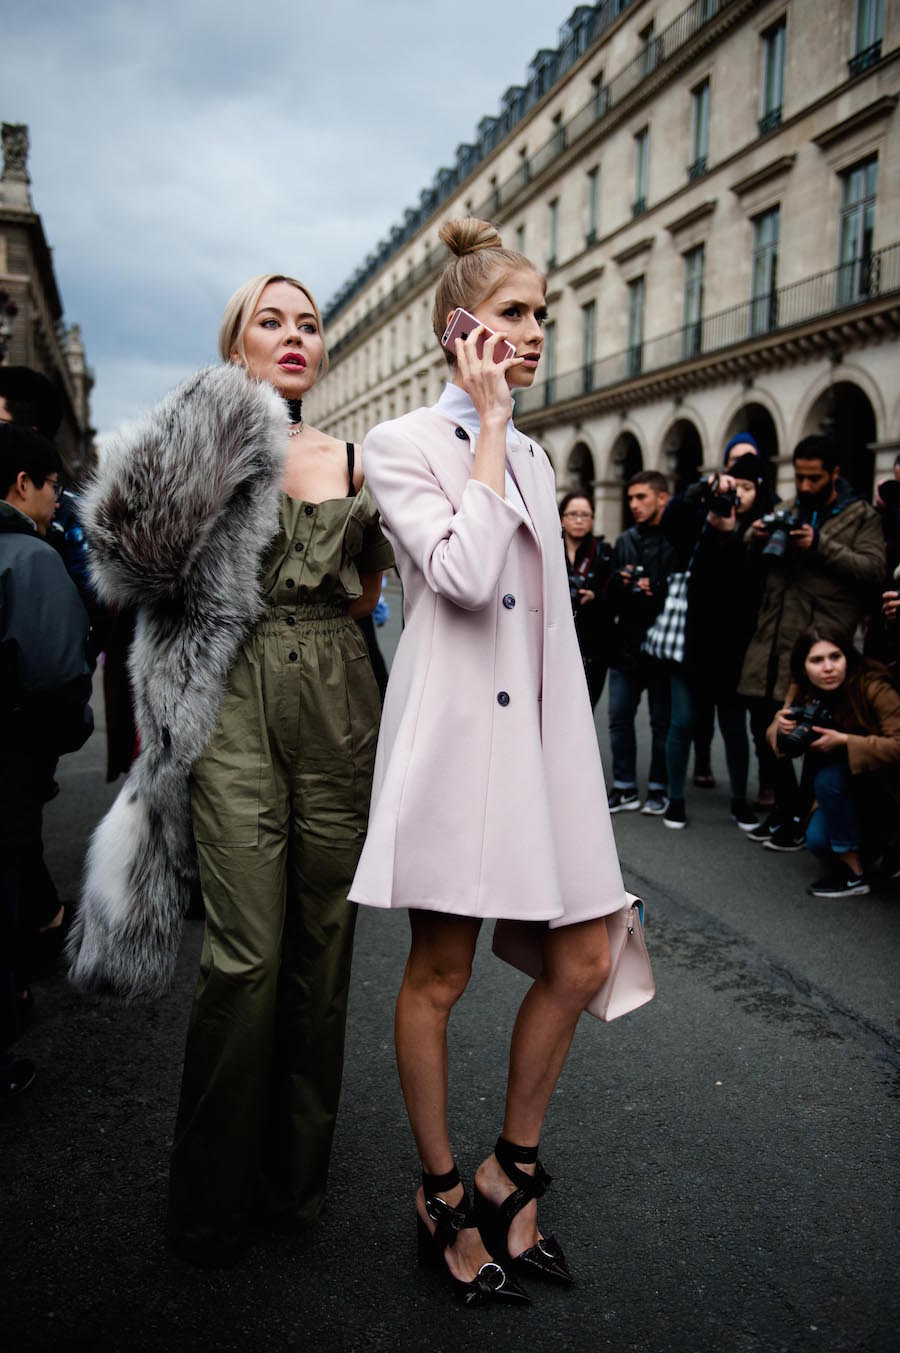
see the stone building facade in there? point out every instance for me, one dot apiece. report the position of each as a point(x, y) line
point(714, 194)
point(32, 329)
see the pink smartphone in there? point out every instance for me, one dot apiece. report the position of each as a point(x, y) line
point(461, 325)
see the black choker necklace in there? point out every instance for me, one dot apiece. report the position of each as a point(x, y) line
point(295, 409)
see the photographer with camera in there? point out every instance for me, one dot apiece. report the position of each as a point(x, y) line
point(842, 714)
point(636, 592)
point(590, 560)
point(722, 584)
point(823, 557)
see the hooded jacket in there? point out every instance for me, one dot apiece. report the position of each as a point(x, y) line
point(834, 582)
point(45, 679)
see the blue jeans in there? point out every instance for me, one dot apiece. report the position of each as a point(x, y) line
point(732, 722)
point(834, 826)
point(625, 691)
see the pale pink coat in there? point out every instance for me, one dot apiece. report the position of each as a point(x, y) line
point(482, 806)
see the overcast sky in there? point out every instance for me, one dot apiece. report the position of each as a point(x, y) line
point(179, 147)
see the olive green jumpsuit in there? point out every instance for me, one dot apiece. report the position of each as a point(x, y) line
point(279, 802)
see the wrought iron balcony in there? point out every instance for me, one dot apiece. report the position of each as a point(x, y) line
point(769, 121)
point(698, 168)
point(866, 58)
point(638, 207)
point(814, 298)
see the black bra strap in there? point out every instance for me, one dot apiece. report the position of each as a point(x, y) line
point(351, 462)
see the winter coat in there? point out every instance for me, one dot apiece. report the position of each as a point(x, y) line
point(45, 678)
point(632, 611)
point(590, 572)
point(179, 515)
point(835, 582)
point(489, 797)
point(723, 594)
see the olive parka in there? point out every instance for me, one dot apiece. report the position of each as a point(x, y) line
point(835, 582)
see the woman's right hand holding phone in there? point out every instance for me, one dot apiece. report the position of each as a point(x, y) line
point(484, 380)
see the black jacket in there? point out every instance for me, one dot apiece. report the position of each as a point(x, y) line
point(632, 611)
point(590, 572)
point(723, 592)
point(45, 680)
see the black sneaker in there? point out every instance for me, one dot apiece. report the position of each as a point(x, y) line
point(19, 1075)
point(743, 815)
point(763, 830)
point(789, 836)
point(655, 804)
point(624, 801)
point(843, 884)
point(675, 816)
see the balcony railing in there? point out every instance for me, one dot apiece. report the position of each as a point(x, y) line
point(815, 297)
point(866, 58)
point(638, 207)
point(698, 168)
point(769, 121)
point(681, 31)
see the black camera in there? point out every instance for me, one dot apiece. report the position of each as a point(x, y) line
point(779, 525)
point(808, 716)
point(635, 572)
point(722, 502)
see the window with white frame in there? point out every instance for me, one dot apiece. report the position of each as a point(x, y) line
point(859, 186)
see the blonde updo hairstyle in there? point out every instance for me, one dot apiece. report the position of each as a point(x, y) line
point(241, 308)
point(479, 266)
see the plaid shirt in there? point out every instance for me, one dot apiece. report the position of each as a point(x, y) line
point(665, 637)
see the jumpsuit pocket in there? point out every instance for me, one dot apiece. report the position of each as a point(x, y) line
point(226, 779)
point(364, 713)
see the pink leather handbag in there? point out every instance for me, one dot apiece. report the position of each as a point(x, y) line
point(630, 982)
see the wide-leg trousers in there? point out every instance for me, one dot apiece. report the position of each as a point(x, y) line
point(279, 803)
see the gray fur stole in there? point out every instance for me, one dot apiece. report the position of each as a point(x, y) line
point(178, 516)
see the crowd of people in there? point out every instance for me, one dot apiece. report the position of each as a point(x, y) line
point(711, 603)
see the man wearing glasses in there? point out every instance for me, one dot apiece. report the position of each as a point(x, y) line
point(45, 685)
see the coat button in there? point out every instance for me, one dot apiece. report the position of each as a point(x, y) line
point(309, 510)
point(291, 621)
point(293, 656)
point(509, 601)
point(290, 583)
point(298, 547)
point(462, 434)
point(502, 698)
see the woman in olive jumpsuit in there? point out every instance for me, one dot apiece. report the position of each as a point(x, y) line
point(279, 802)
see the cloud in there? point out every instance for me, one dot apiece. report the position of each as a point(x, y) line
point(181, 147)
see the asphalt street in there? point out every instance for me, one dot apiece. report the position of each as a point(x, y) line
point(724, 1178)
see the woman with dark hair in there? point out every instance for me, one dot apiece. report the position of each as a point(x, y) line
point(589, 560)
point(843, 711)
point(487, 766)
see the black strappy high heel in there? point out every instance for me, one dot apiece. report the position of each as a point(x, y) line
point(491, 1282)
point(545, 1259)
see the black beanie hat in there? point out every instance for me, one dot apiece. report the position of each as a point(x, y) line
point(747, 467)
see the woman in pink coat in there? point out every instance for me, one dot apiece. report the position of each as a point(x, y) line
point(487, 768)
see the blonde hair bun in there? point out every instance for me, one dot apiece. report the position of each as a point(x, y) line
point(468, 235)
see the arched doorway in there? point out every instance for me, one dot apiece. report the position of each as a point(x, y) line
point(683, 453)
point(626, 459)
point(755, 419)
point(844, 413)
point(580, 469)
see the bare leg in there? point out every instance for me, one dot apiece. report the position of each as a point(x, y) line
point(576, 962)
point(437, 972)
